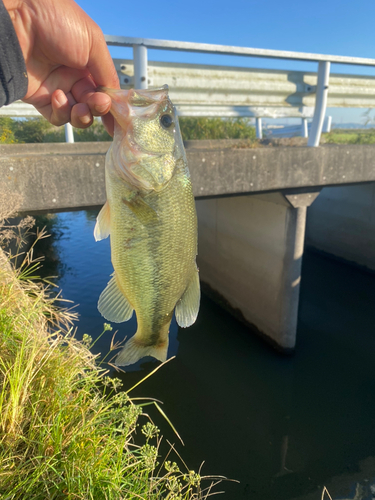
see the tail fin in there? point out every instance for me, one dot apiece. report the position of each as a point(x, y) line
point(133, 351)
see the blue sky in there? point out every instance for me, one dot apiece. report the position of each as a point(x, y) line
point(329, 27)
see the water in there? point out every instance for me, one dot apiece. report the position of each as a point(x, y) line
point(283, 426)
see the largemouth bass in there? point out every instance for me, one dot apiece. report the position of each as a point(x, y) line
point(151, 219)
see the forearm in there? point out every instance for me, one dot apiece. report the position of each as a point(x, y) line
point(13, 75)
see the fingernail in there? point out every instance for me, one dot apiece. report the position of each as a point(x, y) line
point(61, 98)
point(85, 119)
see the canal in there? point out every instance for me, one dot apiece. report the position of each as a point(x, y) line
point(284, 426)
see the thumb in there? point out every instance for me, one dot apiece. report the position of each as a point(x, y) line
point(101, 64)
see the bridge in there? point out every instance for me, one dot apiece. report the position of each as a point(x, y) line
point(251, 202)
point(251, 205)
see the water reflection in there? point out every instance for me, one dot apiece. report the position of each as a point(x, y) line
point(283, 426)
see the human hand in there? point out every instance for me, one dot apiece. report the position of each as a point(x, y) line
point(66, 60)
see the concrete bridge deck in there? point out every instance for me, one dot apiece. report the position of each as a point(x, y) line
point(63, 176)
point(251, 205)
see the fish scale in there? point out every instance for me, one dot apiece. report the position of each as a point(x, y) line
point(152, 225)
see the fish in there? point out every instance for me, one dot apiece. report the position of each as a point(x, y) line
point(151, 219)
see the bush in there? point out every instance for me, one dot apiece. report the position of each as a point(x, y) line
point(216, 128)
point(6, 131)
point(33, 130)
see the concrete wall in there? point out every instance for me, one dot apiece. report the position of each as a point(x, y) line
point(249, 252)
point(64, 176)
point(341, 222)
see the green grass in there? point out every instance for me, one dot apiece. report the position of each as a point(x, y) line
point(350, 136)
point(67, 431)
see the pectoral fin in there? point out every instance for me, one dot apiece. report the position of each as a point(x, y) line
point(188, 306)
point(141, 209)
point(102, 226)
point(113, 304)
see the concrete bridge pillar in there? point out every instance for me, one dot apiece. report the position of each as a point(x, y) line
point(250, 252)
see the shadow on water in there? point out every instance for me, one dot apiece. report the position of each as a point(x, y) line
point(283, 426)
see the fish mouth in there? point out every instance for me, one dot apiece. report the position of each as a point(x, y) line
point(143, 103)
point(140, 97)
point(130, 150)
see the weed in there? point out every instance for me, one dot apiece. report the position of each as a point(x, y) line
point(67, 431)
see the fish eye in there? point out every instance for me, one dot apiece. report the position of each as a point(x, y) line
point(166, 121)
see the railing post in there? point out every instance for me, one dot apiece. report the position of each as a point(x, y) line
point(258, 128)
point(304, 128)
point(327, 124)
point(320, 104)
point(69, 134)
point(140, 66)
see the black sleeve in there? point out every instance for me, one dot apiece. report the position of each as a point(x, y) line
point(13, 76)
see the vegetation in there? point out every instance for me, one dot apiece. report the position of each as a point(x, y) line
point(216, 128)
point(66, 430)
point(39, 130)
point(350, 136)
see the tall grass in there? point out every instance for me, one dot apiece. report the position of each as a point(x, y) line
point(67, 431)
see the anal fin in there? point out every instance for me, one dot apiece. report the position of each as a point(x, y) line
point(113, 304)
point(188, 306)
point(102, 226)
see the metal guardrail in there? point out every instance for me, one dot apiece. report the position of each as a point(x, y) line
point(201, 90)
point(127, 41)
point(207, 90)
point(140, 46)
point(237, 91)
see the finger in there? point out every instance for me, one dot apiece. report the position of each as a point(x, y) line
point(62, 79)
point(61, 106)
point(99, 103)
point(81, 116)
point(84, 91)
point(100, 63)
